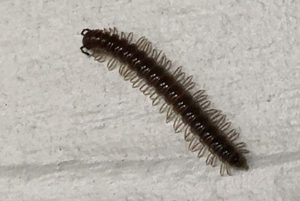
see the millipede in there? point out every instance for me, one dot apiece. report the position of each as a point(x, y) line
point(206, 129)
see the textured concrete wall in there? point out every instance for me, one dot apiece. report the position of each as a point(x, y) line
point(71, 130)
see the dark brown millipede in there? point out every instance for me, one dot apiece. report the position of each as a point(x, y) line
point(206, 129)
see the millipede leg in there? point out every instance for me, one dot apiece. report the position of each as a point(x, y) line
point(154, 54)
point(144, 89)
point(244, 151)
point(158, 55)
point(101, 58)
point(147, 47)
point(115, 31)
point(156, 101)
point(147, 91)
point(188, 135)
point(129, 37)
point(213, 162)
point(122, 69)
point(163, 108)
point(123, 35)
point(195, 145)
point(140, 42)
point(170, 115)
point(162, 60)
point(222, 169)
point(240, 145)
point(112, 64)
point(208, 159)
point(233, 135)
point(202, 151)
point(198, 94)
point(136, 83)
point(168, 65)
point(188, 83)
point(128, 75)
point(155, 97)
point(178, 125)
point(178, 74)
point(225, 126)
point(205, 104)
point(227, 169)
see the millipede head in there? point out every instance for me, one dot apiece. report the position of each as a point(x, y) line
point(92, 40)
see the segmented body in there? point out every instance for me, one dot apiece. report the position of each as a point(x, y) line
point(206, 129)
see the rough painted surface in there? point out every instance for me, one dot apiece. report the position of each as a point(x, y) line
point(71, 130)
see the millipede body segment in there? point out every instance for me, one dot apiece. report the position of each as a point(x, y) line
point(206, 129)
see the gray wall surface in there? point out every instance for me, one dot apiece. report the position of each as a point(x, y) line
point(72, 130)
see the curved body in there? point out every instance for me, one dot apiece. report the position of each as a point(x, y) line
point(208, 127)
